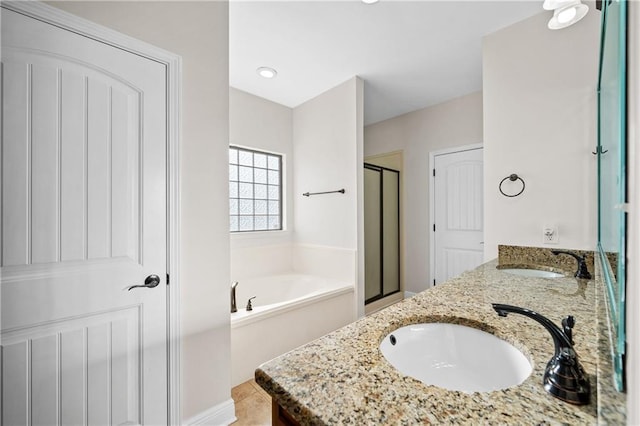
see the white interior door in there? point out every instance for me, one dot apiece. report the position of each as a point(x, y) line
point(458, 212)
point(83, 217)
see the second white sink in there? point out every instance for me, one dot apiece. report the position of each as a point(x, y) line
point(536, 273)
point(455, 357)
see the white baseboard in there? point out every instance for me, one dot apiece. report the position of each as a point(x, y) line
point(221, 414)
point(409, 294)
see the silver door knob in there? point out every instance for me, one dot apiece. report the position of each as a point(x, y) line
point(150, 282)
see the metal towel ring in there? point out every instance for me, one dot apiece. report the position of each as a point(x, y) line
point(512, 177)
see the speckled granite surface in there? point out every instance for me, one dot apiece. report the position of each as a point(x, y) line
point(611, 403)
point(342, 378)
point(542, 258)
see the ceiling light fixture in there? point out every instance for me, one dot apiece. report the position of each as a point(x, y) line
point(369, 1)
point(554, 4)
point(565, 12)
point(266, 72)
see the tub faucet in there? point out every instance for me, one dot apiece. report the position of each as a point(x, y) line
point(564, 377)
point(234, 308)
point(582, 271)
point(249, 306)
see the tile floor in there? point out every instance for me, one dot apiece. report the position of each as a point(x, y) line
point(253, 405)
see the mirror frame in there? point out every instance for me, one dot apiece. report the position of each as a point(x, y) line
point(612, 189)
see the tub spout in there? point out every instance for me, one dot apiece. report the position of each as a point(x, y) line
point(234, 308)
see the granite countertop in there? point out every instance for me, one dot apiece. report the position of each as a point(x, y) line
point(342, 378)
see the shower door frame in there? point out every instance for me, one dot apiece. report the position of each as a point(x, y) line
point(381, 294)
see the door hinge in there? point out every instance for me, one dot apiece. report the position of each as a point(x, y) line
point(167, 279)
point(434, 281)
point(434, 227)
point(434, 172)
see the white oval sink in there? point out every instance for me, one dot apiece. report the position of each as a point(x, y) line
point(536, 273)
point(455, 357)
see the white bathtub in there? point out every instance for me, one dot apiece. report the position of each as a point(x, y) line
point(289, 310)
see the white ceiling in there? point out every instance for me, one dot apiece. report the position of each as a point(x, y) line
point(411, 54)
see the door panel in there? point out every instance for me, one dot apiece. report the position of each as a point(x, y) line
point(458, 213)
point(92, 358)
point(83, 217)
point(80, 170)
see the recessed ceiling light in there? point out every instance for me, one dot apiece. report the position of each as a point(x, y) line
point(369, 1)
point(266, 72)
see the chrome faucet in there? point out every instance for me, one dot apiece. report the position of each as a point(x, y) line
point(564, 377)
point(234, 308)
point(582, 271)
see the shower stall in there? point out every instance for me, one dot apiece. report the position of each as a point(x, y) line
point(381, 232)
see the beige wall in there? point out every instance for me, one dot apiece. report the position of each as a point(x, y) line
point(325, 159)
point(454, 123)
point(328, 155)
point(540, 122)
point(198, 31)
point(257, 123)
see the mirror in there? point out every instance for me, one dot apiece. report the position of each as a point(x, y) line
point(611, 151)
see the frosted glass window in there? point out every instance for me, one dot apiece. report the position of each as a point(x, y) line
point(233, 173)
point(255, 190)
point(274, 207)
point(273, 223)
point(260, 160)
point(246, 174)
point(233, 156)
point(246, 190)
point(245, 158)
point(260, 192)
point(261, 207)
point(233, 189)
point(260, 223)
point(260, 175)
point(274, 177)
point(246, 223)
point(246, 207)
point(274, 162)
point(274, 192)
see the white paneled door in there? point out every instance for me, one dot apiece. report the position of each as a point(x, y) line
point(83, 218)
point(458, 214)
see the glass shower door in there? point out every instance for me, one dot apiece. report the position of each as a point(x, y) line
point(382, 232)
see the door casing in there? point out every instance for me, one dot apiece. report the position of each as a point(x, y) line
point(173, 65)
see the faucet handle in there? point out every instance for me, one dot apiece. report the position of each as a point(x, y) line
point(567, 327)
point(583, 271)
point(249, 306)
